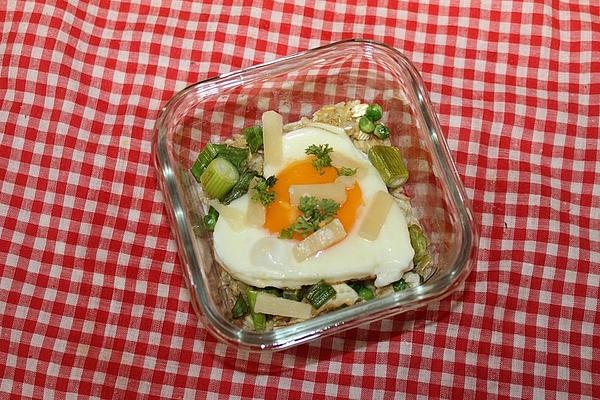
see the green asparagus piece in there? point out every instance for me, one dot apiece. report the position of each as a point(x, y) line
point(240, 308)
point(210, 219)
point(423, 266)
point(390, 165)
point(319, 294)
point(241, 186)
point(418, 241)
point(259, 320)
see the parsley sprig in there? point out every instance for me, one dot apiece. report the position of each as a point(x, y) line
point(322, 157)
point(262, 190)
point(315, 213)
point(346, 171)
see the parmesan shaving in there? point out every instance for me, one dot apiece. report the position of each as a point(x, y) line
point(234, 217)
point(376, 215)
point(272, 137)
point(347, 181)
point(255, 213)
point(269, 304)
point(328, 235)
point(335, 191)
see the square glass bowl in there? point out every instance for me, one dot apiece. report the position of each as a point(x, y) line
point(297, 86)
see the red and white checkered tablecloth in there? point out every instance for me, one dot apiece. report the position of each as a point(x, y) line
point(92, 297)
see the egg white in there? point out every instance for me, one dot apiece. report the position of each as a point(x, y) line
point(255, 256)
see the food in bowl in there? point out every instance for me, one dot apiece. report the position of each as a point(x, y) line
point(310, 216)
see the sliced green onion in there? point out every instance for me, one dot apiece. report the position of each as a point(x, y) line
point(197, 170)
point(259, 320)
point(204, 158)
point(240, 308)
point(390, 165)
point(293, 294)
point(272, 290)
point(400, 285)
point(210, 219)
point(254, 138)
point(381, 131)
point(366, 125)
point(319, 294)
point(374, 112)
point(218, 178)
point(241, 186)
point(363, 291)
point(235, 155)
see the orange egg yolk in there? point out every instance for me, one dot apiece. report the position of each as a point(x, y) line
point(280, 214)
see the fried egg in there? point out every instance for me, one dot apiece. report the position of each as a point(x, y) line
point(257, 256)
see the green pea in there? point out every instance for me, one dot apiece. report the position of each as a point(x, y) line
point(381, 131)
point(374, 112)
point(366, 125)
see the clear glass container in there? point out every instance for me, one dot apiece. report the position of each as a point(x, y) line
point(297, 86)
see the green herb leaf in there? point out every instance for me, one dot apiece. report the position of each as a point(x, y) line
point(346, 171)
point(287, 233)
point(263, 192)
point(315, 213)
point(318, 209)
point(322, 157)
point(254, 138)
